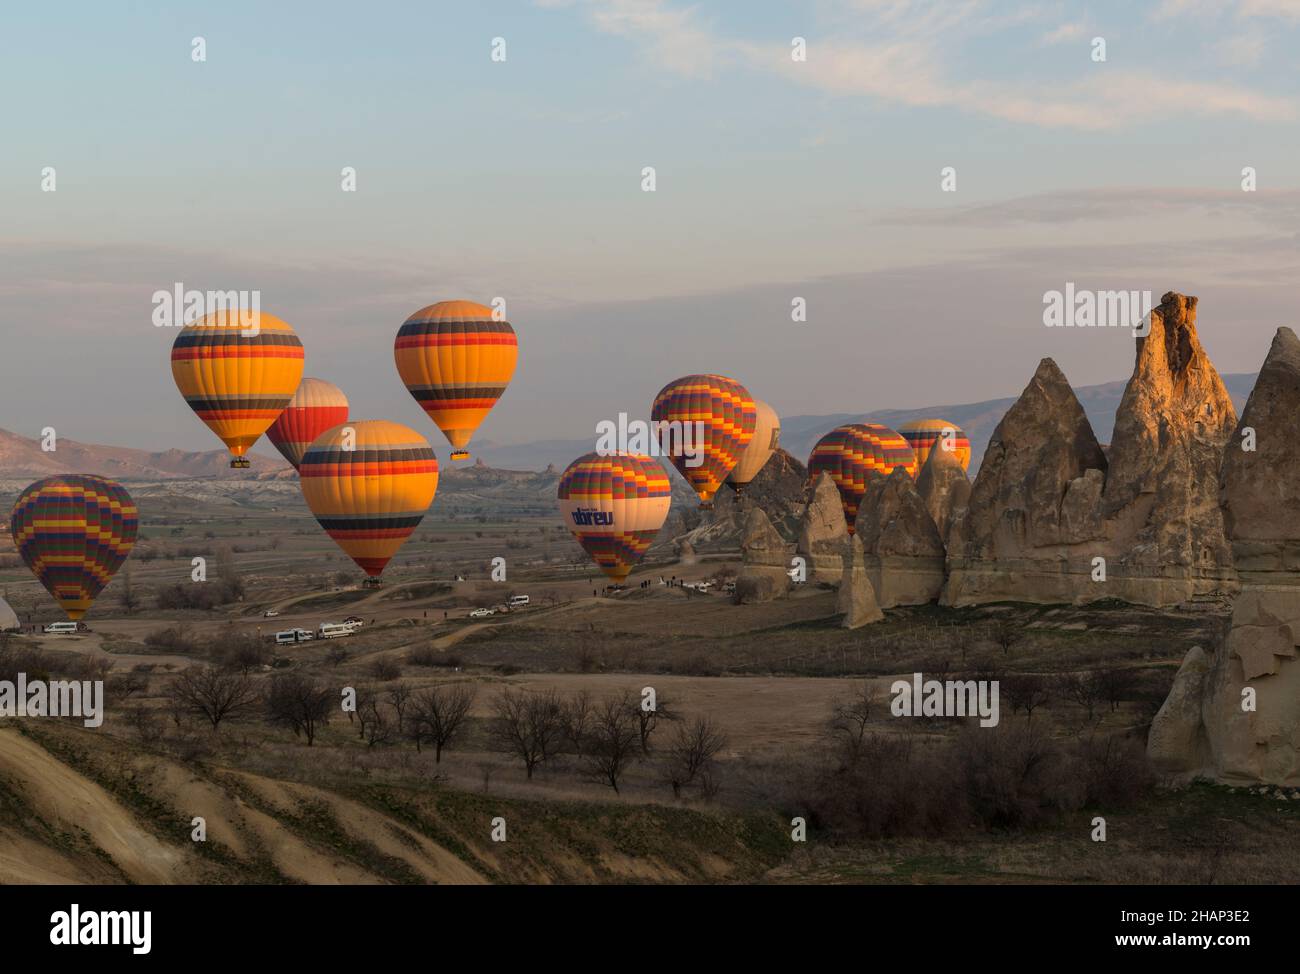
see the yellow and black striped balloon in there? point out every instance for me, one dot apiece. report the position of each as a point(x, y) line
point(456, 359)
point(853, 454)
point(74, 532)
point(237, 375)
point(369, 483)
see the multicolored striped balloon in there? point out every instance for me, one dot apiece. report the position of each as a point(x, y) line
point(369, 483)
point(456, 360)
point(852, 454)
point(315, 407)
point(237, 375)
point(615, 505)
point(708, 415)
point(74, 532)
point(923, 434)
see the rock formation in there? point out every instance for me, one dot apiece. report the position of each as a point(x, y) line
point(766, 561)
point(1165, 536)
point(779, 489)
point(904, 555)
point(1047, 502)
point(823, 533)
point(1033, 521)
point(1225, 737)
point(944, 488)
point(856, 599)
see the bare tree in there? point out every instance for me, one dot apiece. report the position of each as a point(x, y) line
point(1117, 684)
point(577, 713)
point(1026, 691)
point(1006, 633)
point(213, 694)
point(438, 715)
point(528, 725)
point(300, 703)
point(399, 698)
point(691, 752)
point(850, 718)
point(614, 741)
point(1086, 689)
point(647, 718)
point(377, 727)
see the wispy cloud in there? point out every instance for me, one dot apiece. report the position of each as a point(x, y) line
point(907, 63)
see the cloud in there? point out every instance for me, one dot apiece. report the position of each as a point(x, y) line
point(909, 65)
point(1062, 34)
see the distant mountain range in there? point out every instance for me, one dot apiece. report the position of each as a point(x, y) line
point(800, 433)
point(23, 458)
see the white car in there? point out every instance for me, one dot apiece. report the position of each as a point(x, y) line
point(518, 601)
point(270, 614)
point(482, 613)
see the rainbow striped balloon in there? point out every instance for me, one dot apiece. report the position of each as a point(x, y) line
point(369, 483)
point(237, 376)
point(615, 505)
point(456, 360)
point(923, 434)
point(723, 414)
point(852, 454)
point(316, 406)
point(74, 532)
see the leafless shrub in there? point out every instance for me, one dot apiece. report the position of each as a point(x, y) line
point(528, 725)
point(213, 694)
point(689, 759)
point(300, 703)
point(439, 714)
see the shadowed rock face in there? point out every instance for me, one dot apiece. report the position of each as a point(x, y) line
point(857, 598)
point(766, 558)
point(1161, 500)
point(944, 488)
point(904, 555)
point(1203, 729)
point(823, 533)
point(1033, 521)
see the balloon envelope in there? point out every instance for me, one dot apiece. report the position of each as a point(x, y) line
point(370, 497)
point(767, 437)
point(456, 361)
point(74, 532)
point(615, 505)
point(854, 453)
point(316, 406)
point(710, 420)
point(237, 376)
point(923, 435)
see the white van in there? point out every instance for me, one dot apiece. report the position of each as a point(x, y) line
point(332, 630)
point(61, 629)
point(518, 601)
point(293, 636)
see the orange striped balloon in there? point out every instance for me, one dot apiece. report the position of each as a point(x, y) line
point(705, 422)
point(369, 483)
point(237, 375)
point(615, 505)
point(853, 454)
point(925, 434)
point(456, 359)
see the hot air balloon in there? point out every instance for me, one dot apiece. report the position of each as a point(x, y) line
point(456, 360)
point(74, 532)
point(369, 483)
point(767, 436)
point(706, 421)
point(924, 434)
point(316, 406)
point(237, 375)
point(851, 454)
point(615, 505)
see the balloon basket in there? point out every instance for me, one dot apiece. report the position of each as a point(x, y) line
point(375, 582)
point(240, 463)
point(460, 454)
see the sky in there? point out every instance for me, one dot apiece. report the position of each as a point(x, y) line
point(522, 178)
